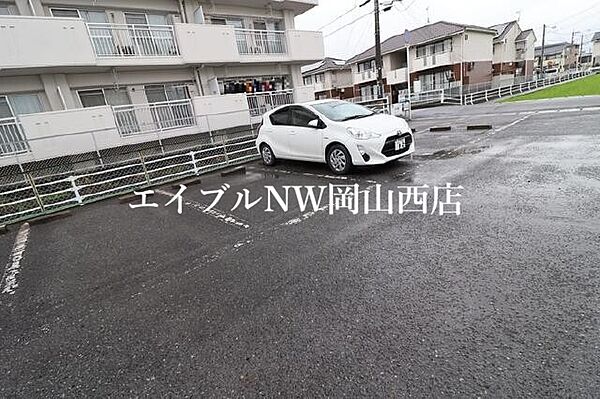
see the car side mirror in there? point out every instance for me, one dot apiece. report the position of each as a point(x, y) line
point(317, 124)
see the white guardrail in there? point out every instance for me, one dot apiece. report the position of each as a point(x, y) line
point(259, 103)
point(154, 117)
point(259, 42)
point(12, 140)
point(115, 40)
point(519, 88)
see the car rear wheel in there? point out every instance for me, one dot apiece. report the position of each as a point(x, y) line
point(267, 155)
point(339, 160)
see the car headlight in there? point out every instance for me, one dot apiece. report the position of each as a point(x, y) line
point(361, 134)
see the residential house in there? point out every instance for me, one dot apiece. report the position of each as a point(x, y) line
point(130, 68)
point(436, 56)
point(596, 49)
point(558, 57)
point(513, 54)
point(330, 78)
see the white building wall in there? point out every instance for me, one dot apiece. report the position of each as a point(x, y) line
point(596, 53)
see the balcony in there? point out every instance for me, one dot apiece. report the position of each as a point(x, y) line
point(397, 76)
point(260, 103)
point(112, 40)
point(44, 42)
point(364, 76)
point(155, 117)
point(12, 139)
point(432, 61)
point(28, 42)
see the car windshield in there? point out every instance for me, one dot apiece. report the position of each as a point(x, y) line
point(340, 111)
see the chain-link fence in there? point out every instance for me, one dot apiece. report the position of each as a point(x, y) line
point(35, 188)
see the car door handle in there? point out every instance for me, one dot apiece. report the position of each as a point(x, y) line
point(293, 132)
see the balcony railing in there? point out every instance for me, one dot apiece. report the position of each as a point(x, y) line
point(260, 103)
point(365, 76)
point(155, 117)
point(112, 40)
point(12, 139)
point(260, 42)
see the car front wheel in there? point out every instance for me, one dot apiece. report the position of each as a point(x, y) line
point(267, 155)
point(339, 160)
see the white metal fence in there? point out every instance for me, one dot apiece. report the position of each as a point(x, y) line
point(258, 42)
point(12, 140)
point(259, 103)
point(45, 186)
point(160, 116)
point(477, 93)
point(518, 88)
point(114, 40)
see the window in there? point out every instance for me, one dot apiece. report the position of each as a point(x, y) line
point(23, 104)
point(88, 16)
point(65, 13)
point(167, 92)
point(281, 117)
point(20, 104)
point(5, 110)
point(235, 22)
point(319, 78)
point(308, 80)
point(301, 116)
point(366, 66)
point(99, 97)
point(4, 9)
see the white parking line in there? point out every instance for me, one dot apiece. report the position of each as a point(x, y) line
point(13, 267)
point(221, 216)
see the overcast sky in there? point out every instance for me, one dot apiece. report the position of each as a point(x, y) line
point(574, 15)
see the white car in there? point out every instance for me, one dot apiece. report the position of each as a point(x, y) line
point(335, 132)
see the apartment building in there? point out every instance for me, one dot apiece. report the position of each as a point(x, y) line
point(513, 54)
point(130, 68)
point(436, 56)
point(558, 57)
point(330, 78)
point(596, 49)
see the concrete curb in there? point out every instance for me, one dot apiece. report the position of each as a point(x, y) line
point(440, 128)
point(240, 170)
point(479, 127)
point(49, 218)
point(188, 182)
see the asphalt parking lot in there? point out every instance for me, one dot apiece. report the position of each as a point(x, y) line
point(501, 301)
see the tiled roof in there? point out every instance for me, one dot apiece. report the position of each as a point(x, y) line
point(596, 37)
point(417, 36)
point(552, 49)
point(328, 64)
point(523, 35)
point(502, 30)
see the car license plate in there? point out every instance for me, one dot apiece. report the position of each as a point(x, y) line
point(400, 144)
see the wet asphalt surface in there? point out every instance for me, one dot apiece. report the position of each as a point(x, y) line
point(501, 301)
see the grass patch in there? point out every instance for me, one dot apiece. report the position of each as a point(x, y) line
point(588, 86)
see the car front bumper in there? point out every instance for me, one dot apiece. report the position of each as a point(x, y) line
point(381, 150)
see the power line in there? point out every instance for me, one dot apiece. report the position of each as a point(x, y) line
point(349, 23)
point(338, 18)
point(562, 20)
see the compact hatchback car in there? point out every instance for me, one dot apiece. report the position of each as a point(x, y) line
point(339, 133)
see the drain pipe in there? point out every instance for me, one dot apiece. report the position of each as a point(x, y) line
point(31, 7)
point(182, 11)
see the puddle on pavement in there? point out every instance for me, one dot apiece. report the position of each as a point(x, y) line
point(449, 154)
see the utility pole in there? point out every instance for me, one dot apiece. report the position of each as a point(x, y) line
point(581, 52)
point(542, 54)
point(378, 59)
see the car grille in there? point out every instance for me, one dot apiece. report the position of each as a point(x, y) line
point(389, 148)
